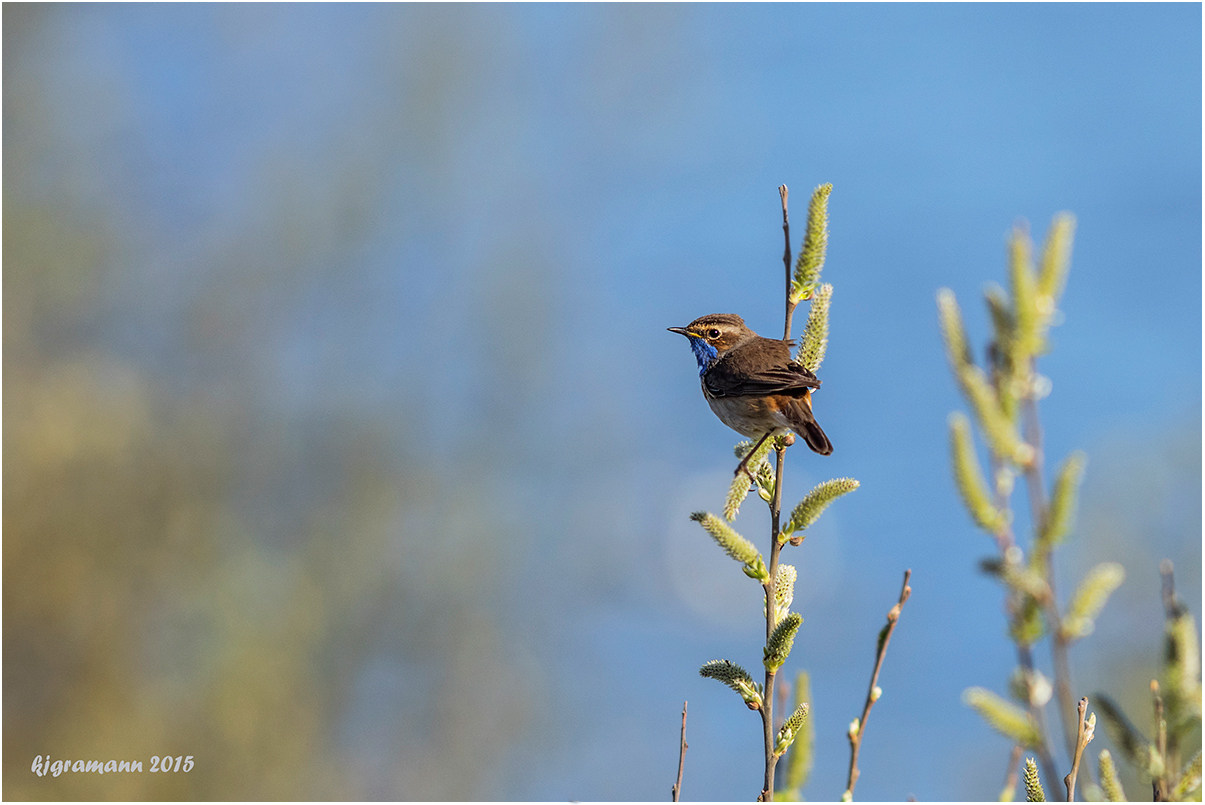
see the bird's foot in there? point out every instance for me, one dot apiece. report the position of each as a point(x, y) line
point(744, 465)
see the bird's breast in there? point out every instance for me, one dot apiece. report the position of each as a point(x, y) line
point(749, 416)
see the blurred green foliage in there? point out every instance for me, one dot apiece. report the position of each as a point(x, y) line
point(193, 566)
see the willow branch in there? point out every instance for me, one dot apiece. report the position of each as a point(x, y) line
point(786, 261)
point(1159, 784)
point(1039, 511)
point(1171, 607)
point(767, 708)
point(1025, 658)
point(855, 736)
point(1005, 539)
point(677, 789)
point(1082, 738)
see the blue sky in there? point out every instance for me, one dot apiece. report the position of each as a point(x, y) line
point(535, 192)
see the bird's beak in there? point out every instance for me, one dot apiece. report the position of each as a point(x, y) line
point(680, 331)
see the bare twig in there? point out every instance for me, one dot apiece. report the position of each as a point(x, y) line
point(1082, 738)
point(786, 261)
point(1010, 775)
point(1159, 783)
point(1171, 607)
point(855, 736)
point(1062, 672)
point(677, 789)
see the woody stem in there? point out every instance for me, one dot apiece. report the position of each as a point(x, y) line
point(767, 708)
point(786, 262)
point(1039, 511)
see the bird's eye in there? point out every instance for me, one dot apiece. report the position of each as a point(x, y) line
point(713, 333)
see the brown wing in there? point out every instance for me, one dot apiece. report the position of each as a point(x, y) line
point(761, 367)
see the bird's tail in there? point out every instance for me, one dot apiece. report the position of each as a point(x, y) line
point(816, 438)
point(799, 415)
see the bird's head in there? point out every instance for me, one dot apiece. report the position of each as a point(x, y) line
point(711, 336)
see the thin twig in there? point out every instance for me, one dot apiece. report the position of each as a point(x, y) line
point(1082, 737)
point(1045, 759)
point(677, 789)
point(855, 737)
point(1062, 671)
point(1010, 775)
point(1005, 540)
point(786, 261)
point(1159, 784)
point(1171, 607)
point(1039, 511)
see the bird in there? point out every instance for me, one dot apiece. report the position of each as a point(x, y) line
point(751, 382)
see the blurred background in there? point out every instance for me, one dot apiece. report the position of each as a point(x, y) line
point(345, 448)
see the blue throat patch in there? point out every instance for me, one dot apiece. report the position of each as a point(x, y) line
point(705, 353)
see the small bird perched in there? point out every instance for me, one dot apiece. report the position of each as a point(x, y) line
point(751, 383)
